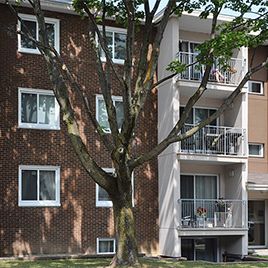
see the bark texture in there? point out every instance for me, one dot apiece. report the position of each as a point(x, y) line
point(127, 250)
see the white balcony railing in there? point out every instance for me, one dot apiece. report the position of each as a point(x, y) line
point(232, 75)
point(215, 140)
point(212, 213)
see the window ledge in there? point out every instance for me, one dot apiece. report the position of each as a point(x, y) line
point(39, 204)
point(105, 204)
point(37, 127)
point(29, 51)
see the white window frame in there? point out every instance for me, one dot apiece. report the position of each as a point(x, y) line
point(27, 17)
point(113, 30)
point(261, 155)
point(250, 86)
point(56, 126)
point(40, 203)
point(108, 240)
point(100, 97)
point(109, 204)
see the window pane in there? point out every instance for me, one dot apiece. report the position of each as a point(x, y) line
point(187, 187)
point(193, 47)
point(255, 87)
point(50, 27)
point(119, 113)
point(103, 195)
point(189, 120)
point(254, 149)
point(46, 113)
point(103, 116)
point(206, 187)
point(187, 248)
point(200, 115)
point(29, 185)
point(109, 40)
point(120, 46)
point(183, 46)
point(47, 185)
point(256, 222)
point(206, 249)
point(214, 122)
point(25, 27)
point(106, 246)
point(28, 108)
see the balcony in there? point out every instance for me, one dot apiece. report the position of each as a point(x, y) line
point(212, 214)
point(219, 74)
point(215, 140)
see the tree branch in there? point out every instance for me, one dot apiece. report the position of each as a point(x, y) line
point(176, 138)
point(128, 67)
point(70, 78)
point(103, 78)
point(146, 67)
point(61, 93)
point(159, 82)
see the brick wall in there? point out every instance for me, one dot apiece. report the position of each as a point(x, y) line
point(75, 225)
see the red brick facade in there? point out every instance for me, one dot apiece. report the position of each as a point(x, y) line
point(75, 225)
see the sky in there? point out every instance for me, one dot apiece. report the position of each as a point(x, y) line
point(224, 12)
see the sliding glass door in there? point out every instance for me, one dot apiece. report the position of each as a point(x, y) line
point(256, 223)
point(199, 249)
point(198, 187)
point(196, 190)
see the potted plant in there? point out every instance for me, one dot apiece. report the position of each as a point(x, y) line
point(223, 205)
point(201, 212)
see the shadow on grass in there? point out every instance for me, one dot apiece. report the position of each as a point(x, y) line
point(145, 263)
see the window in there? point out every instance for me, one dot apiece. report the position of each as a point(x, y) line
point(255, 87)
point(30, 23)
point(197, 115)
point(39, 186)
point(255, 149)
point(105, 246)
point(199, 187)
point(38, 109)
point(102, 197)
point(102, 116)
point(256, 223)
point(187, 55)
point(199, 249)
point(116, 41)
point(196, 191)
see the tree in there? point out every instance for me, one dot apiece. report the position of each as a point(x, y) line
point(136, 83)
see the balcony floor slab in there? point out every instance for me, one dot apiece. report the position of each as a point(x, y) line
point(213, 159)
point(214, 90)
point(212, 231)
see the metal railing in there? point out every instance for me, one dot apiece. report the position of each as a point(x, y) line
point(212, 213)
point(220, 74)
point(215, 140)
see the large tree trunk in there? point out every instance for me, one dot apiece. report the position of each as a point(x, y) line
point(127, 250)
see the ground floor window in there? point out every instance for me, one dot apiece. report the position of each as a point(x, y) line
point(199, 249)
point(256, 223)
point(105, 246)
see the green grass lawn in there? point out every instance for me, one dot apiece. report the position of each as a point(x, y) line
point(146, 263)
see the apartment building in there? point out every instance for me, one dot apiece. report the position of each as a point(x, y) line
point(48, 204)
point(257, 162)
point(203, 180)
point(210, 188)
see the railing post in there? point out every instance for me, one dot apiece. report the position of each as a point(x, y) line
point(203, 140)
point(224, 140)
point(243, 142)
